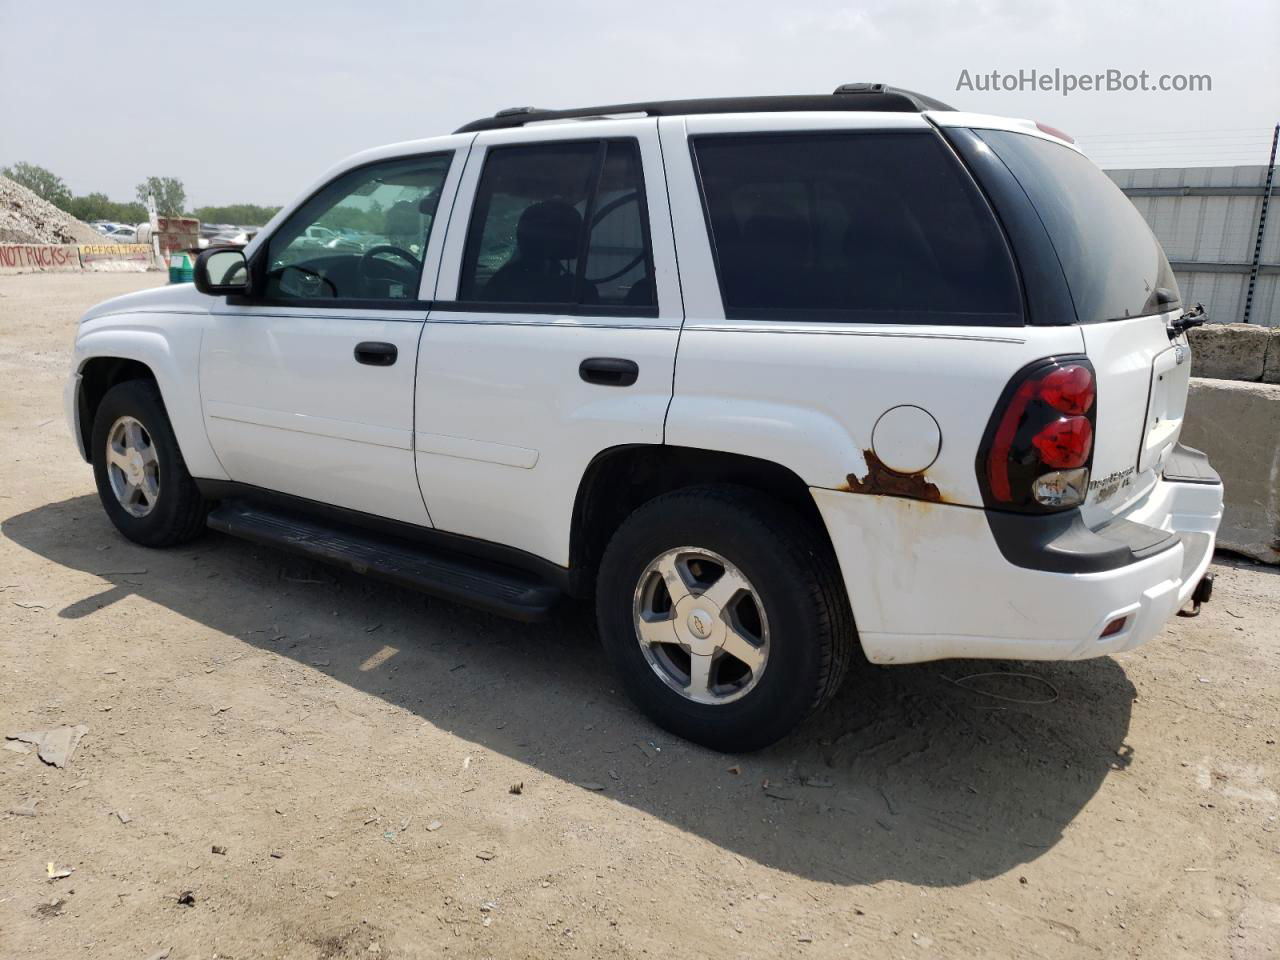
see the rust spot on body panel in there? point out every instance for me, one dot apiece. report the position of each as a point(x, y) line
point(882, 481)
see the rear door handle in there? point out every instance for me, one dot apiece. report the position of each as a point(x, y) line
point(376, 353)
point(609, 371)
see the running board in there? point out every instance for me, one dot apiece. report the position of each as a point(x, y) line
point(487, 586)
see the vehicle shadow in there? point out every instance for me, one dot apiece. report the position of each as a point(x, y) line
point(907, 776)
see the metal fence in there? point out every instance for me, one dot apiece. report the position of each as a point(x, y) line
point(1213, 223)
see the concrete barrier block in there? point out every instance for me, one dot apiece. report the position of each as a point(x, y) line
point(39, 257)
point(1238, 425)
point(1271, 366)
point(1228, 351)
point(116, 257)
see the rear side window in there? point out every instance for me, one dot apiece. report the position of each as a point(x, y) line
point(1113, 263)
point(618, 271)
point(560, 225)
point(862, 227)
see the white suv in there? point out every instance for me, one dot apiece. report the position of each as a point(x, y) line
point(768, 377)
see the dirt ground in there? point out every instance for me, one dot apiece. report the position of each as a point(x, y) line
point(356, 749)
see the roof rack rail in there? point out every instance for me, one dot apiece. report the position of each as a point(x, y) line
point(850, 96)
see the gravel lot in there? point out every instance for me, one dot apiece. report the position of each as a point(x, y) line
point(355, 749)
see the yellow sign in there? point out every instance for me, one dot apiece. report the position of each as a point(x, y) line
point(114, 251)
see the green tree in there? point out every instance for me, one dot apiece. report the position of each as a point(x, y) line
point(241, 214)
point(96, 206)
point(171, 195)
point(43, 183)
point(369, 220)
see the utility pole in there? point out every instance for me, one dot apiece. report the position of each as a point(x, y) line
point(1262, 225)
point(153, 218)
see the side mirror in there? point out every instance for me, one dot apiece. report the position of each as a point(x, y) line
point(222, 270)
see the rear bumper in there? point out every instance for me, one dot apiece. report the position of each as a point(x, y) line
point(928, 581)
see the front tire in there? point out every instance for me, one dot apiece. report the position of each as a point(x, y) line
point(142, 479)
point(724, 614)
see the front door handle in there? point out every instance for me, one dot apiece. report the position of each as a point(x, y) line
point(376, 354)
point(609, 371)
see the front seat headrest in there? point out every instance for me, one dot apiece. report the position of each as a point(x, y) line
point(401, 220)
point(550, 230)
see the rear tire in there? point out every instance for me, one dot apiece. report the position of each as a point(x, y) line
point(142, 480)
point(734, 676)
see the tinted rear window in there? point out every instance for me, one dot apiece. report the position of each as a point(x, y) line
point(865, 227)
point(560, 224)
point(1113, 263)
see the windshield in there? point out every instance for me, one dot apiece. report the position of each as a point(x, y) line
point(1115, 267)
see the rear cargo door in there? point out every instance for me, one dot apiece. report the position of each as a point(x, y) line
point(1142, 395)
point(1124, 297)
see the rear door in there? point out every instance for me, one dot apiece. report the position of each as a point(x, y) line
point(552, 335)
point(1124, 295)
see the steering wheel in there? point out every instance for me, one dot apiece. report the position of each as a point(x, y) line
point(600, 214)
point(308, 275)
point(367, 260)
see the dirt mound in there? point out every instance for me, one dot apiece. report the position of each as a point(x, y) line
point(25, 218)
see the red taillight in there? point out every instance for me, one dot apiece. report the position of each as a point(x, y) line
point(1068, 388)
point(1002, 445)
point(1045, 424)
point(1065, 443)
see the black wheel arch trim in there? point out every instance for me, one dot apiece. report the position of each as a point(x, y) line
point(132, 369)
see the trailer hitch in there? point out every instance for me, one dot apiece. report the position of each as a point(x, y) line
point(1201, 594)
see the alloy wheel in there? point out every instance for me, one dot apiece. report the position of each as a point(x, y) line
point(701, 625)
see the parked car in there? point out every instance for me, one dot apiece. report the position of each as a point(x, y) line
point(121, 233)
point(109, 229)
point(767, 377)
point(318, 236)
point(232, 238)
point(226, 235)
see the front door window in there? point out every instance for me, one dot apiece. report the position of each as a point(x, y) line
point(363, 237)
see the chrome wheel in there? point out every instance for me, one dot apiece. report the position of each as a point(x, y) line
point(132, 466)
point(701, 625)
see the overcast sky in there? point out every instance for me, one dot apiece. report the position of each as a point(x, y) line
point(248, 102)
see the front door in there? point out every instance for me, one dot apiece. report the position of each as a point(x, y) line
point(308, 384)
point(553, 334)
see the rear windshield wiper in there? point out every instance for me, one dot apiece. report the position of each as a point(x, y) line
point(1191, 318)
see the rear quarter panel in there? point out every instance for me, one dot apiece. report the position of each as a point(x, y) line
point(808, 396)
